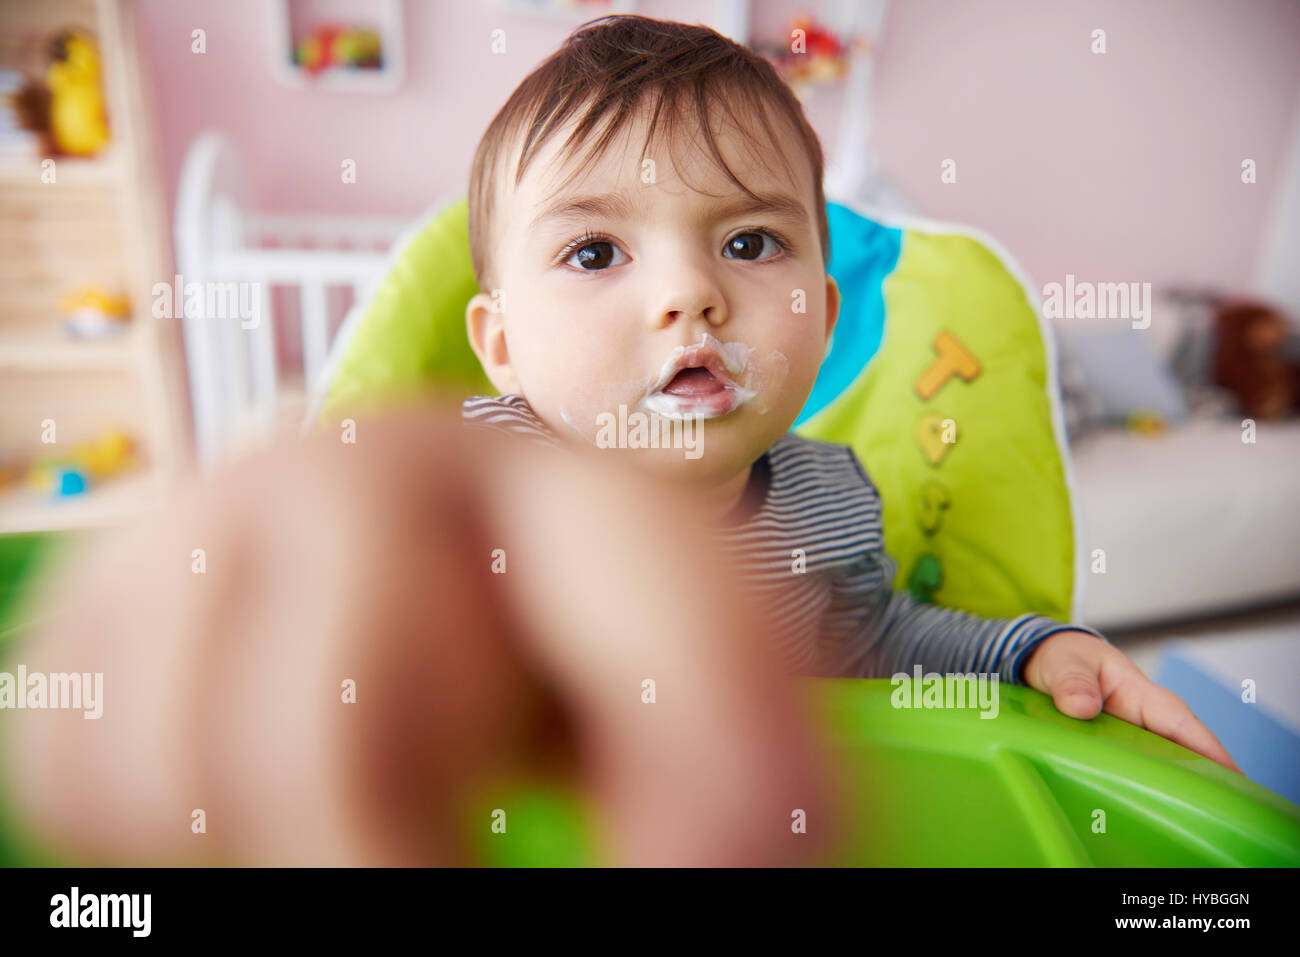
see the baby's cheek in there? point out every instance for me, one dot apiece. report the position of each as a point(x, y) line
point(786, 362)
point(767, 376)
point(581, 405)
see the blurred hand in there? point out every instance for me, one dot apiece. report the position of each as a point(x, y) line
point(372, 562)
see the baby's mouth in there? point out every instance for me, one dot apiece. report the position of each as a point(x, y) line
point(694, 382)
point(698, 380)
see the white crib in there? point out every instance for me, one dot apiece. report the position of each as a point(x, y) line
point(303, 270)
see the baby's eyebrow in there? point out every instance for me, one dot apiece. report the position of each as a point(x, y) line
point(619, 206)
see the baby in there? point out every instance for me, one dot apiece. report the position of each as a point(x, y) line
point(642, 211)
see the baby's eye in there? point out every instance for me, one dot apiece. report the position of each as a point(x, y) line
point(595, 256)
point(751, 246)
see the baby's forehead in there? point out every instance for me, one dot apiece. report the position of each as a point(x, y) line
point(680, 161)
point(757, 146)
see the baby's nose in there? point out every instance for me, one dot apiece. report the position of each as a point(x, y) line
point(709, 309)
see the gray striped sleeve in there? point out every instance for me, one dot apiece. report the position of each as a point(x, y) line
point(902, 632)
point(842, 617)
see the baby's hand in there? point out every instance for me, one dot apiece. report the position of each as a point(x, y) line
point(1085, 676)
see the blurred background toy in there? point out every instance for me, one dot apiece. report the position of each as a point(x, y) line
point(339, 45)
point(77, 121)
point(1254, 360)
point(1147, 423)
point(810, 53)
point(20, 118)
point(84, 465)
point(93, 313)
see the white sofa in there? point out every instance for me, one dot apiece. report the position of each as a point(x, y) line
point(1192, 522)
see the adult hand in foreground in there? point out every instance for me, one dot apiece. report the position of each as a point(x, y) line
point(228, 625)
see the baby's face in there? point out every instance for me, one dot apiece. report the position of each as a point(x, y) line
point(633, 289)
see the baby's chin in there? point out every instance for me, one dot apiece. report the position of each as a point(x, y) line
point(697, 450)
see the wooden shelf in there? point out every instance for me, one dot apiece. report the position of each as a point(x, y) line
point(117, 500)
point(26, 170)
point(46, 346)
point(101, 224)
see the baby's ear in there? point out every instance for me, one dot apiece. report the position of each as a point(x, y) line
point(485, 325)
point(832, 305)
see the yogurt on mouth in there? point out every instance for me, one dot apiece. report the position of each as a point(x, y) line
point(698, 391)
point(710, 401)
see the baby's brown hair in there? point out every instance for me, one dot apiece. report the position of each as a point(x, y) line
point(607, 66)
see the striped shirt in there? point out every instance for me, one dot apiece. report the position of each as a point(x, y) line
point(815, 543)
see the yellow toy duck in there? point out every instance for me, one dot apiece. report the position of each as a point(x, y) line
point(76, 100)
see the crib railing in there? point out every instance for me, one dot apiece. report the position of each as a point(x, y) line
point(307, 255)
point(237, 380)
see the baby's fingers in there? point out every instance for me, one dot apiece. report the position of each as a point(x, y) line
point(1146, 704)
point(1068, 670)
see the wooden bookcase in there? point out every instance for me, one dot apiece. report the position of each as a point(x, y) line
point(101, 222)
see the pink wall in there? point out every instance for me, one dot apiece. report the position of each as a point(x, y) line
point(1117, 166)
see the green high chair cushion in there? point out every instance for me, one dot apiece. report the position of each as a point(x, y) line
point(410, 335)
point(940, 377)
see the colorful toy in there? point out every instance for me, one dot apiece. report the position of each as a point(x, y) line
point(69, 482)
point(1147, 423)
point(83, 466)
point(339, 45)
point(93, 313)
point(111, 454)
point(813, 55)
point(1255, 358)
point(77, 122)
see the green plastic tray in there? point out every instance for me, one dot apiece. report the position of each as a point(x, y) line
point(945, 787)
point(22, 559)
point(935, 787)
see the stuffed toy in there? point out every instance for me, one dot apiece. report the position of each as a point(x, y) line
point(1254, 358)
point(76, 101)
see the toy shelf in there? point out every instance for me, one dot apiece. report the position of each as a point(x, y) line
point(289, 19)
point(27, 170)
point(99, 224)
point(22, 510)
point(47, 346)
